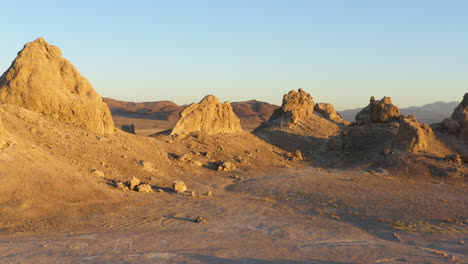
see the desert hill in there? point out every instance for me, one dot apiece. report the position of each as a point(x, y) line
point(429, 113)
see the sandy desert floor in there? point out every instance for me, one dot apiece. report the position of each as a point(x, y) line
point(287, 215)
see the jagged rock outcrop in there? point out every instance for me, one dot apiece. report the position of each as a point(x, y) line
point(41, 80)
point(451, 126)
point(379, 111)
point(412, 135)
point(328, 112)
point(460, 114)
point(209, 117)
point(296, 106)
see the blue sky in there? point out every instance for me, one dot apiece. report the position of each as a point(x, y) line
point(340, 51)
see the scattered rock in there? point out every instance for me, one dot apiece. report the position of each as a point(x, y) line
point(39, 79)
point(185, 157)
point(121, 186)
point(328, 112)
point(226, 166)
point(455, 159)
point(130, 128)
point(133, 182)
point(412, 135)
point(378, 111)
point(296, 106)
point(143, 187)
point(179, 186)
point(209, 194)
point(146, 165)
point(209, 116)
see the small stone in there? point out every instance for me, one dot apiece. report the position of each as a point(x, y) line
point(146, 165)
point(160, 190)
point(179, 186)
point(121, 186)
point(226, 166)
point(144, 188)
point(193, 193)
point(98, 173)
point(209, 194)
point(201, 220)
point(133, 182)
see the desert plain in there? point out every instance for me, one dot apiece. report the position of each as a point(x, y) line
point(295, 184)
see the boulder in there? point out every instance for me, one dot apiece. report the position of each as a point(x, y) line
point(412, 135)
point(328, 112)
point(39, 79)
point(451, 126)
point(209, 117)
point(296, 106)
point(144, 187)
point(133, 182)
point(378, 111)
point(128, 128)
point(226, 166)
point(460, 114)
point(179, 186)
point(121, 186)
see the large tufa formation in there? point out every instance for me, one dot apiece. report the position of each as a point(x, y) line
point(296, 106)
point(460, 114)
point(209, 117)
point(328, 112)
point(41, 80)
point(378, 111)
point(2, 134)
point(412, 135)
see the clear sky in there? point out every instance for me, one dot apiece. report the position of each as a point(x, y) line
point(340, 51)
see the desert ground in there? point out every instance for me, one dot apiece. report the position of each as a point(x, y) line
point(302, 186)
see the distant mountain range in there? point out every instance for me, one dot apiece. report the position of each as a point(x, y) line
point(429, 113)
point(162, 115)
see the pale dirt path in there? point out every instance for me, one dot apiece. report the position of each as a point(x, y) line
point(285, 218)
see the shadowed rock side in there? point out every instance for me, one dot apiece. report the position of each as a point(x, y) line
point(41, 80)
point(209, 117)
point(328, 112)
point(461, 112)
point(413, 136)
point(296, 106)
point(378, 111)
